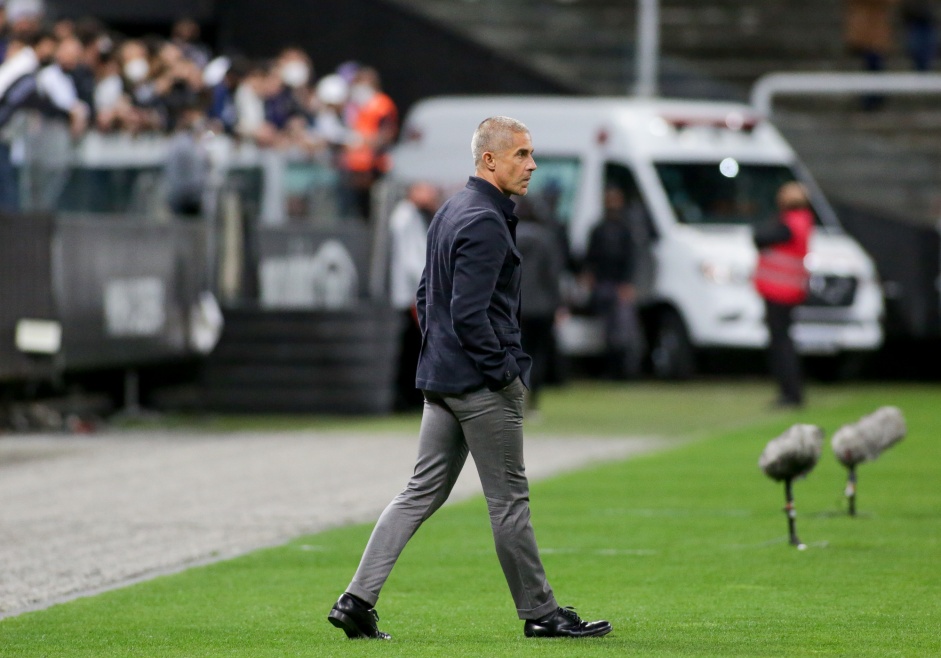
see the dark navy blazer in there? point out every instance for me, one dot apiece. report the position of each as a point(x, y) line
point(469, 296)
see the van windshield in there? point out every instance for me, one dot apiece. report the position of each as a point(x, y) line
point(727, 192)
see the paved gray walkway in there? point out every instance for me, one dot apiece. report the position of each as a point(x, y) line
point(81, 514)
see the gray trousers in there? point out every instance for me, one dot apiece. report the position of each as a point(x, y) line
point(490, 426)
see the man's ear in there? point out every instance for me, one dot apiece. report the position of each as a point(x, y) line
point(488, 161)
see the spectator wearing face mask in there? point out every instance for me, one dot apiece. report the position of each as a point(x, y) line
point(135, 70)
point(293, 97)
point(139, 113)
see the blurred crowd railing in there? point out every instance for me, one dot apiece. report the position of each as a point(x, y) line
point(125, 174)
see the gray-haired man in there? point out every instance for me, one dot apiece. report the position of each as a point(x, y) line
point(473, 373)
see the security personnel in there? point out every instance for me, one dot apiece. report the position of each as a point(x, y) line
point(375, 124)
point(781, 279)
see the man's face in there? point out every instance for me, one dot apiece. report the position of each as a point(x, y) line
point(515, 165)
point(614, 199)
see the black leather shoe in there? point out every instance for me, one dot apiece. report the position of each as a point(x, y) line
point(356, 619)
point(564, 622)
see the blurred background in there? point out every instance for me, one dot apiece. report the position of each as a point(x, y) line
point(197, 198)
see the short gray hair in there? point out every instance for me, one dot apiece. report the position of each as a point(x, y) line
point(494, 134)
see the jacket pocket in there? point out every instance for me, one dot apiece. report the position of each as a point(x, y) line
point(507, 335)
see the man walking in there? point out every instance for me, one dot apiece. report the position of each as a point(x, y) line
point(781, 279)
point(473, 373)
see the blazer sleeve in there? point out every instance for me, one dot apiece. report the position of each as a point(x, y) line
point(479, 252)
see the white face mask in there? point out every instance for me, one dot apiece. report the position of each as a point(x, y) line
point(361, 93)
point(295, 73)
point(136, 70)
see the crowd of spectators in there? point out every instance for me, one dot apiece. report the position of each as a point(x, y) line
point(81, 75)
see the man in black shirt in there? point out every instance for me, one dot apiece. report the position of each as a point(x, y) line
point(609, 268)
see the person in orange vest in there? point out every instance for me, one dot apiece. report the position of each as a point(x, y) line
point(375, 123)
point(781, 279)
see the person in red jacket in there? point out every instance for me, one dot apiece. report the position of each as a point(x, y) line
point(781, 279)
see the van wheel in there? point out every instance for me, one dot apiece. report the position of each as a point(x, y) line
point(671, 353)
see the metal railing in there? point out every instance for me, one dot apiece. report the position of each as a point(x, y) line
point(767, 87)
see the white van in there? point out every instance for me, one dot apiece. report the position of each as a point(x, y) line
point(701, 173)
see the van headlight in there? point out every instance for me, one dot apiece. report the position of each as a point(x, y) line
point(724, 273)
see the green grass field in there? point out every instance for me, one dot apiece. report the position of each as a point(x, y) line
point(684, 551)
